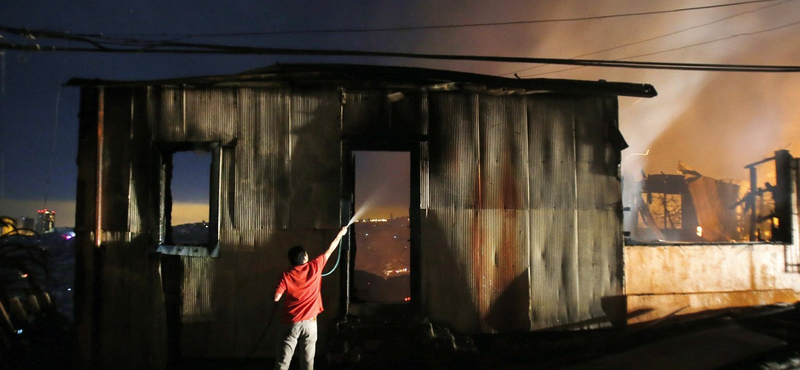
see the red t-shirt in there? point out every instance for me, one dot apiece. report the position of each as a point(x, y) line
point(301, 285)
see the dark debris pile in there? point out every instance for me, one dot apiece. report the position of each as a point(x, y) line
point(763, 337)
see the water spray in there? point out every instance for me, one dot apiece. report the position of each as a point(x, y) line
point(339, 252)
point(365, 206)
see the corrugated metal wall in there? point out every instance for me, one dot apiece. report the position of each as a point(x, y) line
point(280, 187)
point(522, 226)
point(118, 287)
point(518, 194)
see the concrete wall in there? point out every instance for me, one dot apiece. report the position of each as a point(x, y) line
point(683, 279)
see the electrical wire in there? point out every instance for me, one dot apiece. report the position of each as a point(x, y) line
point(679, 48)
point(200, 48)
point(183, 48)
point(648, 39)
point(450, 26)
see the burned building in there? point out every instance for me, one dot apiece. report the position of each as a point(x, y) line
point(746, 251)
point(682, 208)
point(515, 212)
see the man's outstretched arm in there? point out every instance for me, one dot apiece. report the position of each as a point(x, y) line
point(335, 243)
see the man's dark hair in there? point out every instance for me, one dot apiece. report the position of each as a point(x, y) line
point(296, 255)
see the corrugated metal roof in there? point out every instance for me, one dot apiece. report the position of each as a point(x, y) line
point(354, 76)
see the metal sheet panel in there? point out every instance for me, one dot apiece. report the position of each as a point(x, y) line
point(478, 184)
point(114, 315)
point(501, 259)
point(261, 161)
point(598, 184)
point(599, 203)
point(450, 290)
point(365, 111)
point(409, 114)
point(211, 114)
point(503, 152)
point(450, 238)
point(552, 267)
point(130, 279)
point(477, 261)
point(599, 262)
point(85, 296)
point(503, 229)
point(144, 177)
point(554, 251)
point(116, 159)
point(208, 307)
point(453, 151)
point(168, 111)
point(86, 195)
point(552, 152)
point(315, 159)
point(576, 228)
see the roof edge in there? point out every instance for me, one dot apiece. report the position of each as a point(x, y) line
point(388, 76)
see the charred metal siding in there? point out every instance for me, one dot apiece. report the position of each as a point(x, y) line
point(120, 281)
point(373, 113)
point(280, 186)
point(575, 201)
point(518, 208)
point(521, 230)
point(475, 238)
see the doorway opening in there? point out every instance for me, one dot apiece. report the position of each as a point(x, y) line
point(382, 268)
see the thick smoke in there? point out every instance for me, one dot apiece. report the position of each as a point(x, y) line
point(716, 122)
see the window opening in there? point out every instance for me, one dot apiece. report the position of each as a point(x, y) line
point(382, 261)
point(190, 189)
point(666, 210)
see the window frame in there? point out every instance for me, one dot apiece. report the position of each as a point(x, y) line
point(167, 150)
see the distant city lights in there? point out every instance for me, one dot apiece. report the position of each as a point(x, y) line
point(401, 271)
point(372, 220)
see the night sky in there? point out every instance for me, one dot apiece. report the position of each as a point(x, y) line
point(714, 122)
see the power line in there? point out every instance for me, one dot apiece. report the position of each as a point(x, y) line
point(199, 48)
point(450, 26)
point(712, 41)
point(652, 38)
point(682, 47)
point(238, 50)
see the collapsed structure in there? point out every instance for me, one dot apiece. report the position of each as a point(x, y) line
point(699, 244)
point(515, 213)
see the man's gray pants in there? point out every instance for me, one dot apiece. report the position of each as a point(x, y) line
point(306, 333)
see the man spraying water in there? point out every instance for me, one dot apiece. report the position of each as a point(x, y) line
point(301, 284)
